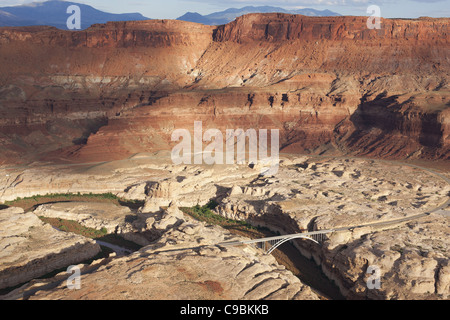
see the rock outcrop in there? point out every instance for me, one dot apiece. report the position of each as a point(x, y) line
point(307, 194)
point(112, 96)
point(31, 249)
point(412, 260)
point(185, 263)
point(328, 84)
point(90, 214)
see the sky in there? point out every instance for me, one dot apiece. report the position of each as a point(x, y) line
point(172, 9)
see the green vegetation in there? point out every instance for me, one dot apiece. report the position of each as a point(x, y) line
point(68, 196)
point(206, 214)
point(75, 227)
point(101, 235)
point(28, 203)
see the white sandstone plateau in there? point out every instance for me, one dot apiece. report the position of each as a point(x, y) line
point(89, 214)
point(32, 249)
point(307, 193)
point(185, 263)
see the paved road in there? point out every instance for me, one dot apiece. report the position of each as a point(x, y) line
point(440, 210)
point(374, 224)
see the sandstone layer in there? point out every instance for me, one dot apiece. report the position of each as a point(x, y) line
point(91, 215)
point(413, 262)
point(329, 84)
point(410, 247)
point(185, 263)
point(94, 111)
point(31, 249)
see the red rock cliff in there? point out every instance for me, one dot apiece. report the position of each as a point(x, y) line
point(329, 83)
point(279, 27)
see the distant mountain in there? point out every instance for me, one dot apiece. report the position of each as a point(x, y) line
point(195, 17)
point(54, 13)
point(229, 15)
point(8, 19)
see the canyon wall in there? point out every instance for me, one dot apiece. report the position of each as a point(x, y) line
point(329, 84)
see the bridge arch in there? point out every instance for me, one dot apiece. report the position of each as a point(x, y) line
point(282, 241)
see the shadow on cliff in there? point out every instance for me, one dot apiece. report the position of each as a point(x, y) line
point(386, 128)
point(92, 126)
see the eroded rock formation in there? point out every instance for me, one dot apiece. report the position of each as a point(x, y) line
point(203, 270)
point(31, 249)
point(307, 194)
point(329, 84)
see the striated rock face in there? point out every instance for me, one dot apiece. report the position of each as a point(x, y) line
point(198, 275)
point(275, 47)
point(140, 43)
point(32, 249)
point(71, 83)
point(329, 84)
point(278, 26)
